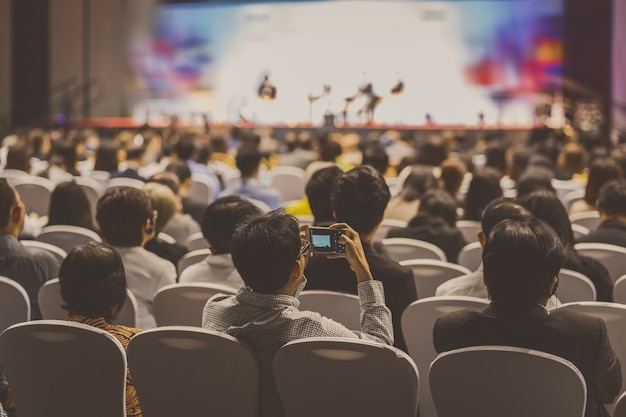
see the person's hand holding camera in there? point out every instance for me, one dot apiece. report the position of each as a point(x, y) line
point(354, 252)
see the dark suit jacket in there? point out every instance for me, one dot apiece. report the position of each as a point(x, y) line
point(612, 232)
point(335, 275)
point(578, 338)
point(194, 208)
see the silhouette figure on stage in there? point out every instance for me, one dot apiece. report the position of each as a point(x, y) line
point(267, 91)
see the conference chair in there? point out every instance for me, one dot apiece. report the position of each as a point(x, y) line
point(182, 304)
point(620, 406)
point(339, 377)
point(102, 177)
point(570, 198)
point(58, 253)
point(125, 182)
point(611, 256)
point(166, 238)
point(341, 307)
point(50, 302)
point(469, 229)
point(417, 324)
point(34, 192)
point(67, 237)
point(385, 226)
point(497, 381)
point(93, 191)
point(14, 303)
point(289, 180)
point(619, 290)
point(200, 372)
point(579, 231)
point(574, 286)
point(12, 174)
point(588, 219)
point(471, 256)
point(191, 258)
point(196, 241)
point(402, 249)
point(564, 187)
point(202, 189)
point(64, 369)
point(429, 274)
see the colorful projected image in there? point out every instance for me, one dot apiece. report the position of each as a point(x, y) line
point(368, 62)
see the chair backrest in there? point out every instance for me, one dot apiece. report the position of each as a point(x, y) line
point(429, 274)
point(14, 303)
point(202, 189)
point(588, 219)
point(50, 302)
point(469, 229)
point(34, 192)
point(620, 406)
point(289, 180)
point(417, 324)
point(384, 227)
point(329, 376)
point(58, 368)
point(166, 238)
point(125, 182)
point(191, 258)
point(101, 176)
point(611, 256)
point(574, 286)
point(182, 304)
point(67, 237)
point(196, 241)
point(471, 256)
point(341, 307)
point(93, 191)
point(619, 290)
point(570, 198)
point(496, 381)
point(220, 373)
point(563, 188)
point(402, 249)
point(579, 231)
point(56, 251)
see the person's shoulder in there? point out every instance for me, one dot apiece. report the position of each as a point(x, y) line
point(458, 319)
point(195, 273)
point(386, 267)
point(582, 323)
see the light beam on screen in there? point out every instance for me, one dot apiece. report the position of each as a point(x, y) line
point(453, 59)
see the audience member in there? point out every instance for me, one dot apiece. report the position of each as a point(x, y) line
point(404, 206)
point(18, 158)
point(300, 152)
point(571, 161)
point(69, 206)
point(187, 219)
point(601, 171)
point(318, 190)
point(359, 198)
point(483, 188)
point(521, 261)
point(271, 257)
point(132, 164)
point(453, 172)
point(127, 222)
point(220, 220)
point(495, 156)
point(93, 288)
point(519, 162)
point(612, 208)
point(106, 157)
point(435, 223)
point(375, 156)
point(534, 179)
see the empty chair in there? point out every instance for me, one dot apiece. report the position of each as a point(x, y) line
point(125, 182)
point(471, 256)
point(384, 227)
point(182, 304)
point(402, 249)
point(56, 251)
point(341, 307)
point(14, 303)
point(497, 381)
point(429, 274)
point(289, 180)
point(579, 231)
point(202, 189)
point(334, 377)
point(67, 237)
point(196, 241)
point(191, 258)
point(574, 286)
point(50, 302)
point(620, 406)
point(611, 256)
point(59, 368)
point(34, 192)
point(619, 290)
point(211, 373)
point(418, 320)
point(469, 229)
point(588, 219)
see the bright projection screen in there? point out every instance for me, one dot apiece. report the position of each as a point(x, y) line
point(383, 62)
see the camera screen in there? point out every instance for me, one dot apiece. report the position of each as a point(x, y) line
point(320, 241)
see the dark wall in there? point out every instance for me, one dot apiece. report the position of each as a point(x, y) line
point(30, 61)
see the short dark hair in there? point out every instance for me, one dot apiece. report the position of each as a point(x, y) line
point(612, 198)
point(181, 169)
point(501, 209)
point(93, 281)
point(264, 250)
point(121, 214)
point(483, 188)
point(534, 179)
point(520, 260)
point(185, 147)
point(8, 199)
point(419, 180)
point(375, 156)
point(169, 179)
point(222, 217)
point(69, 206)
point(440, 204)
point(18, 157)
point(359, 198)
point(318, 190)
point(248, 159)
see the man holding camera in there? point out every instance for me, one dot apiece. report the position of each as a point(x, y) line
point(270, 255)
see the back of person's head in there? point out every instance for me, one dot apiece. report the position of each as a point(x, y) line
point(18, 157)
point(248, 160)
point(8, 200)
point(540, 161)
point(501, 209)
point(106, 157)
point(419, 180)
point(600, 171)
point(69, 206)
point(185, 147)
point(483, 188)
point(439, 204)
point(219, 144)
point(520, 261)
point(222, 217)
point(135, 153)
point(495, 156)
point(375, 156)
point(359, 198)
point(432, 152)
point(318, 190)
point(573, 157)
point(181, 170)
point(329, 151)
point(519, 162)
point(453, 171)
point(93, 281)
point(612, 198)
point(264, 250)
point(164, 201)
point(121, 214)
point(534, 179)
point(64, 154)
point(169, 179)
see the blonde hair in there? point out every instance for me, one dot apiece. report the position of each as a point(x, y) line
point(163, 201)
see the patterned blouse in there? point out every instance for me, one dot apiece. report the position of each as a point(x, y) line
point(123, 334)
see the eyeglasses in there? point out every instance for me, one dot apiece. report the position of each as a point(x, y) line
point(305, 245)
